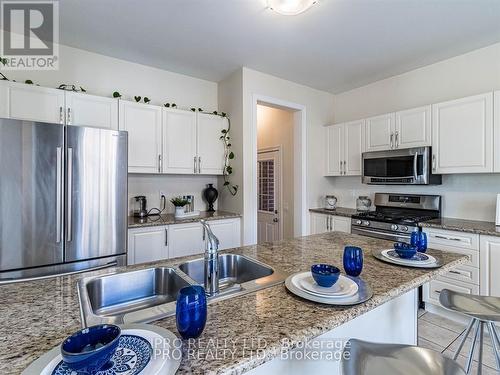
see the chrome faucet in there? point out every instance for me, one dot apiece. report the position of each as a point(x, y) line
point(211, 261)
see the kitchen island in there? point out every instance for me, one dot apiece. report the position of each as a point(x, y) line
point(242, 333)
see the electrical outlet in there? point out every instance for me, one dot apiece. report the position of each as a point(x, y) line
point(162, 193)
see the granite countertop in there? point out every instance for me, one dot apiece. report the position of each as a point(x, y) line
point(339, 211)
point(461, 225)
point(167, 219)
point(36, 316)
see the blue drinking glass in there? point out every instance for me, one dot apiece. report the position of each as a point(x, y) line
point(353, 260)
point(191, 311)
point(422, 242)
point(415, 239)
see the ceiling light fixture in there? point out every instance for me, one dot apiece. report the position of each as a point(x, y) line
point(290, 7)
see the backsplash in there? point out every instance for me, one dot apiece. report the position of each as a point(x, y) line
point(464, 196)
point(172, 186)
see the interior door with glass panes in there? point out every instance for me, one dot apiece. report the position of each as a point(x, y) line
point(269, 226)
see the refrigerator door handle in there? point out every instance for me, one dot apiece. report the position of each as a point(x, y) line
point(69, 194)
point(59, 184)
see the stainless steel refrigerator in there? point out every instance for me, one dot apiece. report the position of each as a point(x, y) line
point(63, 199)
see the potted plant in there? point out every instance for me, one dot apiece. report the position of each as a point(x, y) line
point(179, 204)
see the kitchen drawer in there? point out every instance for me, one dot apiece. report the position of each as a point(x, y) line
point(434, 287)
point(447, 238)
point(465, 274)
point(472, 254)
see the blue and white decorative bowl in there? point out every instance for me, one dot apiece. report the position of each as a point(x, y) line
point(404, 250)
point(325, 275)
point(91, 348)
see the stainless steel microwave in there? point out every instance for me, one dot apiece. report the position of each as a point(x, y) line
point(410, 166)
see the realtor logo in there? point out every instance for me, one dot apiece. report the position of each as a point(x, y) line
point(30, 35)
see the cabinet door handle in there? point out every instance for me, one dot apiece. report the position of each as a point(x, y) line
point(392, 140)
point(340, 167)
point(195, 159)
point(327, 224)
point(434, 162)
point(331, 223)
point(166, 236)
point(437, 291)
point(61, 119)
point(199, 164)
point(159, 163)
point(455, 272)
point(447, 238)
point(396, 141)
point(69, 116)
point(345, 167)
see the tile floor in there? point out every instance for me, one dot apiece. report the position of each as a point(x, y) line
point(442, 335)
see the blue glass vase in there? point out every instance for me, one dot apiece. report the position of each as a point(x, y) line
point(191, 311)
point(353, 260)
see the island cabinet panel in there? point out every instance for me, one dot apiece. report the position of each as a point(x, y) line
point(490, 266)
point(147, 244)
point(393, 322)
point(143, 123)
point(462, 138)
point(321, 223)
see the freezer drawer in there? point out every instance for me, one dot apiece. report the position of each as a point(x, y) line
point(96, 193)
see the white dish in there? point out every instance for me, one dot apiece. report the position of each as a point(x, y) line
point(430, 259)
point(364, 293)
point(165, 358)
point(437, 261)
point(344, 287)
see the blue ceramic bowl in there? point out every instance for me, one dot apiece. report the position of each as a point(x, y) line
point(91, 348)
point(325, 275)
point(404, 250)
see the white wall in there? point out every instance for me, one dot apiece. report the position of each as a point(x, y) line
point(319, 111)
point(102, 75)
point(464, 196)
point(275, 128)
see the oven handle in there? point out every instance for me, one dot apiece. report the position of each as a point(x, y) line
point(371, 231)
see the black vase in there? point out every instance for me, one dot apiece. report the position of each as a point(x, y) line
point(210, 194)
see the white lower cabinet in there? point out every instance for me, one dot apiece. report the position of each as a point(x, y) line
point(321, 223)
point(463, 278)
point(177, 240)
point(490, 265)
point(147, 244)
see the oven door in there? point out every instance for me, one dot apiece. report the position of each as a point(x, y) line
point(399, 167)
point(378, 233)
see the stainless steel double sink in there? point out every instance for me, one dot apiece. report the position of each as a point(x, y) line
point(150, 294)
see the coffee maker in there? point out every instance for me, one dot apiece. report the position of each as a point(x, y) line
point(140, 206)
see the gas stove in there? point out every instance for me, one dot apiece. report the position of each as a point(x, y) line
point(396, 216)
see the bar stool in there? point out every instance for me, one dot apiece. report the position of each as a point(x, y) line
point(368, 358)
point(483, 311)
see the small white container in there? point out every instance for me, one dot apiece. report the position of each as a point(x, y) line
point(179, 211)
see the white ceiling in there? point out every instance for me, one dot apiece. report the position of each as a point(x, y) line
point(335, 46)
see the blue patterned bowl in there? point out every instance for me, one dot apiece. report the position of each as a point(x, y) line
point(91, 348)
point(404, 250)
point(325, 275)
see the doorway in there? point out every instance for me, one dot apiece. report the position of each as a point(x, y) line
point(275, 173)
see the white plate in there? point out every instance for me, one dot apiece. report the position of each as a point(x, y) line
point(344, 287)
point(364, 293)
point(165, 358)
point(430, 260)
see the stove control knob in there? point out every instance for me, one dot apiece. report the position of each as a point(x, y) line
point(358, 222)
point(366, 223)
point(404, 228)
point(394, 227)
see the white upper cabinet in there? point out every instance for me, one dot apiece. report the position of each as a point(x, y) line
point(344, 148)
point(413, 128)
point(90, 110)
point(210, 146)
point(143, 123)
point(380, 132)
point(496, 131)
point(34, 103)
point(179, 141)
point(353, 147)
point(462, 139)
point(334, 149)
